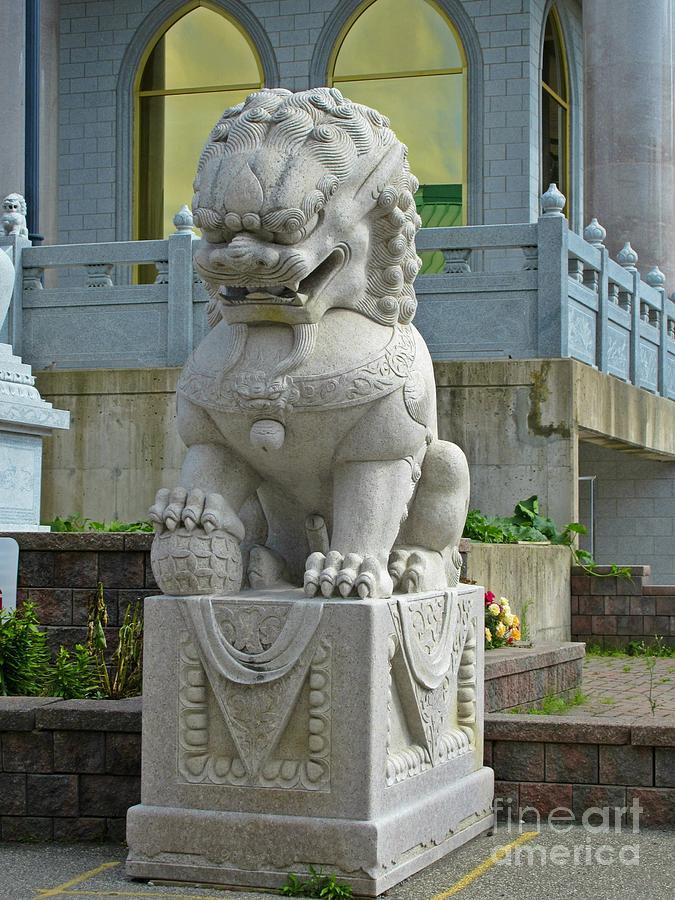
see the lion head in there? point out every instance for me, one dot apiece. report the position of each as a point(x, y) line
point(293, 189)
point(15, 203)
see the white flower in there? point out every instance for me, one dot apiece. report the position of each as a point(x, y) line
point(494, 609)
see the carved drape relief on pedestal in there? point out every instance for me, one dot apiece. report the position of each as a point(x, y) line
point(432, 694)
point(255, 698)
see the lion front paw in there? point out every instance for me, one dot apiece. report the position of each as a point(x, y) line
point(193, 509)
point(346, 574)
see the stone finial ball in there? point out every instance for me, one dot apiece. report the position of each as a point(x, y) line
point(194, 562)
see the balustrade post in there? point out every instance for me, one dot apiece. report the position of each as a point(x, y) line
point(99, 275)
point(180, 314)
point(552, 294)
point(595, 234)
point(656, 279)
point(602, 323)
point(627, 257)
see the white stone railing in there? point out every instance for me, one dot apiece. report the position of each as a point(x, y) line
point(541, 290)
point(92, 322)
point(522, 291)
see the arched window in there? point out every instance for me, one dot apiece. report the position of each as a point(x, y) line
point(405, 59)
point(199, 64)
point(555, 110)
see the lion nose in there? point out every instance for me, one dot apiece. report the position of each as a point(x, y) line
point(245, 258)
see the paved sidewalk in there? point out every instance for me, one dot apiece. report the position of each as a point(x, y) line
point(517, 864)
point(620, 686)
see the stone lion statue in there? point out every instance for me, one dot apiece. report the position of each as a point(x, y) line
point(14, 212)
point(311, 400)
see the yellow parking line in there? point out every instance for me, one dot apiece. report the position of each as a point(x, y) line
point(498, 855)
point(150, 894)
point(60, 889)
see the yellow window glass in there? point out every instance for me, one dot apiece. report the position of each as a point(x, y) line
point(397, 36)
point(404, 58)
point(202, 48)
point(555, 157)
point(200, 65)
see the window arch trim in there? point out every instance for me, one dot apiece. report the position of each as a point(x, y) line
point(327, 47)
point(151, 29)
point(573, 108)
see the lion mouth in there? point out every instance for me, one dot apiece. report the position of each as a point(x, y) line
point(299, 293)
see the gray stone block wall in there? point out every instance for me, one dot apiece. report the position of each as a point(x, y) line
point(634, 509)
point(69, 770)
point(94, 37)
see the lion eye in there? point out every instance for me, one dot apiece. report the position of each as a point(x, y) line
point(216, 235)
point(288, 237)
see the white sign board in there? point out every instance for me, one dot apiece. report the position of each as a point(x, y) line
point(9, 569)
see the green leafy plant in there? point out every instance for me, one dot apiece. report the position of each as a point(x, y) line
point(24, 656)
point(79, 523)
point(71, 523)
point(88, 671)
point(527, 525)
point(325, 887)
point(73, 675)
point(122, 676)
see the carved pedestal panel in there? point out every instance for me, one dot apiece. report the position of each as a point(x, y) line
point(281, 732)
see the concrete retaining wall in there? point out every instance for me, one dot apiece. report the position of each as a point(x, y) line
point(528, 573)
point(516, 420)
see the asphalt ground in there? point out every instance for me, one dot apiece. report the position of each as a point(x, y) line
point(512, 863)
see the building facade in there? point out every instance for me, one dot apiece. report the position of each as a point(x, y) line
point(110, 102)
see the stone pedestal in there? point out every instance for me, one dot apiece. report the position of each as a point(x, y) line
point(281, 732)
point(25, 419)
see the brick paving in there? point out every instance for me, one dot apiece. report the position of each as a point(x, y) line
point(619, 687)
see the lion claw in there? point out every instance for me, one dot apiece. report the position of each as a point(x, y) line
point(346, 575)
point(193, 509)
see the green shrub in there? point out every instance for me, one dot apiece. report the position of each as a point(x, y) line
point(24, 656)
point(88, 671)
point(76, 522)
point(73, 675)
point(529, 526)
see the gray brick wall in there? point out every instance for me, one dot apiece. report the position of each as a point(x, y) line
point(634, 509)
point(95, 35)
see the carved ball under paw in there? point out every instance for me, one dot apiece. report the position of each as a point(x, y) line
point(194, 562)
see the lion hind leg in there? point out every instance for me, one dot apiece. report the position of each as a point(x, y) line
point(426, 554)
point(266, 568)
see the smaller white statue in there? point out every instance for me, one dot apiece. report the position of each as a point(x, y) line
point(14, 213)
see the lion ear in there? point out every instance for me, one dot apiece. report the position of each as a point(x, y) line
point(382, 174)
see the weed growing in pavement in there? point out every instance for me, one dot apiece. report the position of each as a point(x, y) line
point(325, 887)
point(553, 705)
point(657, 648)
